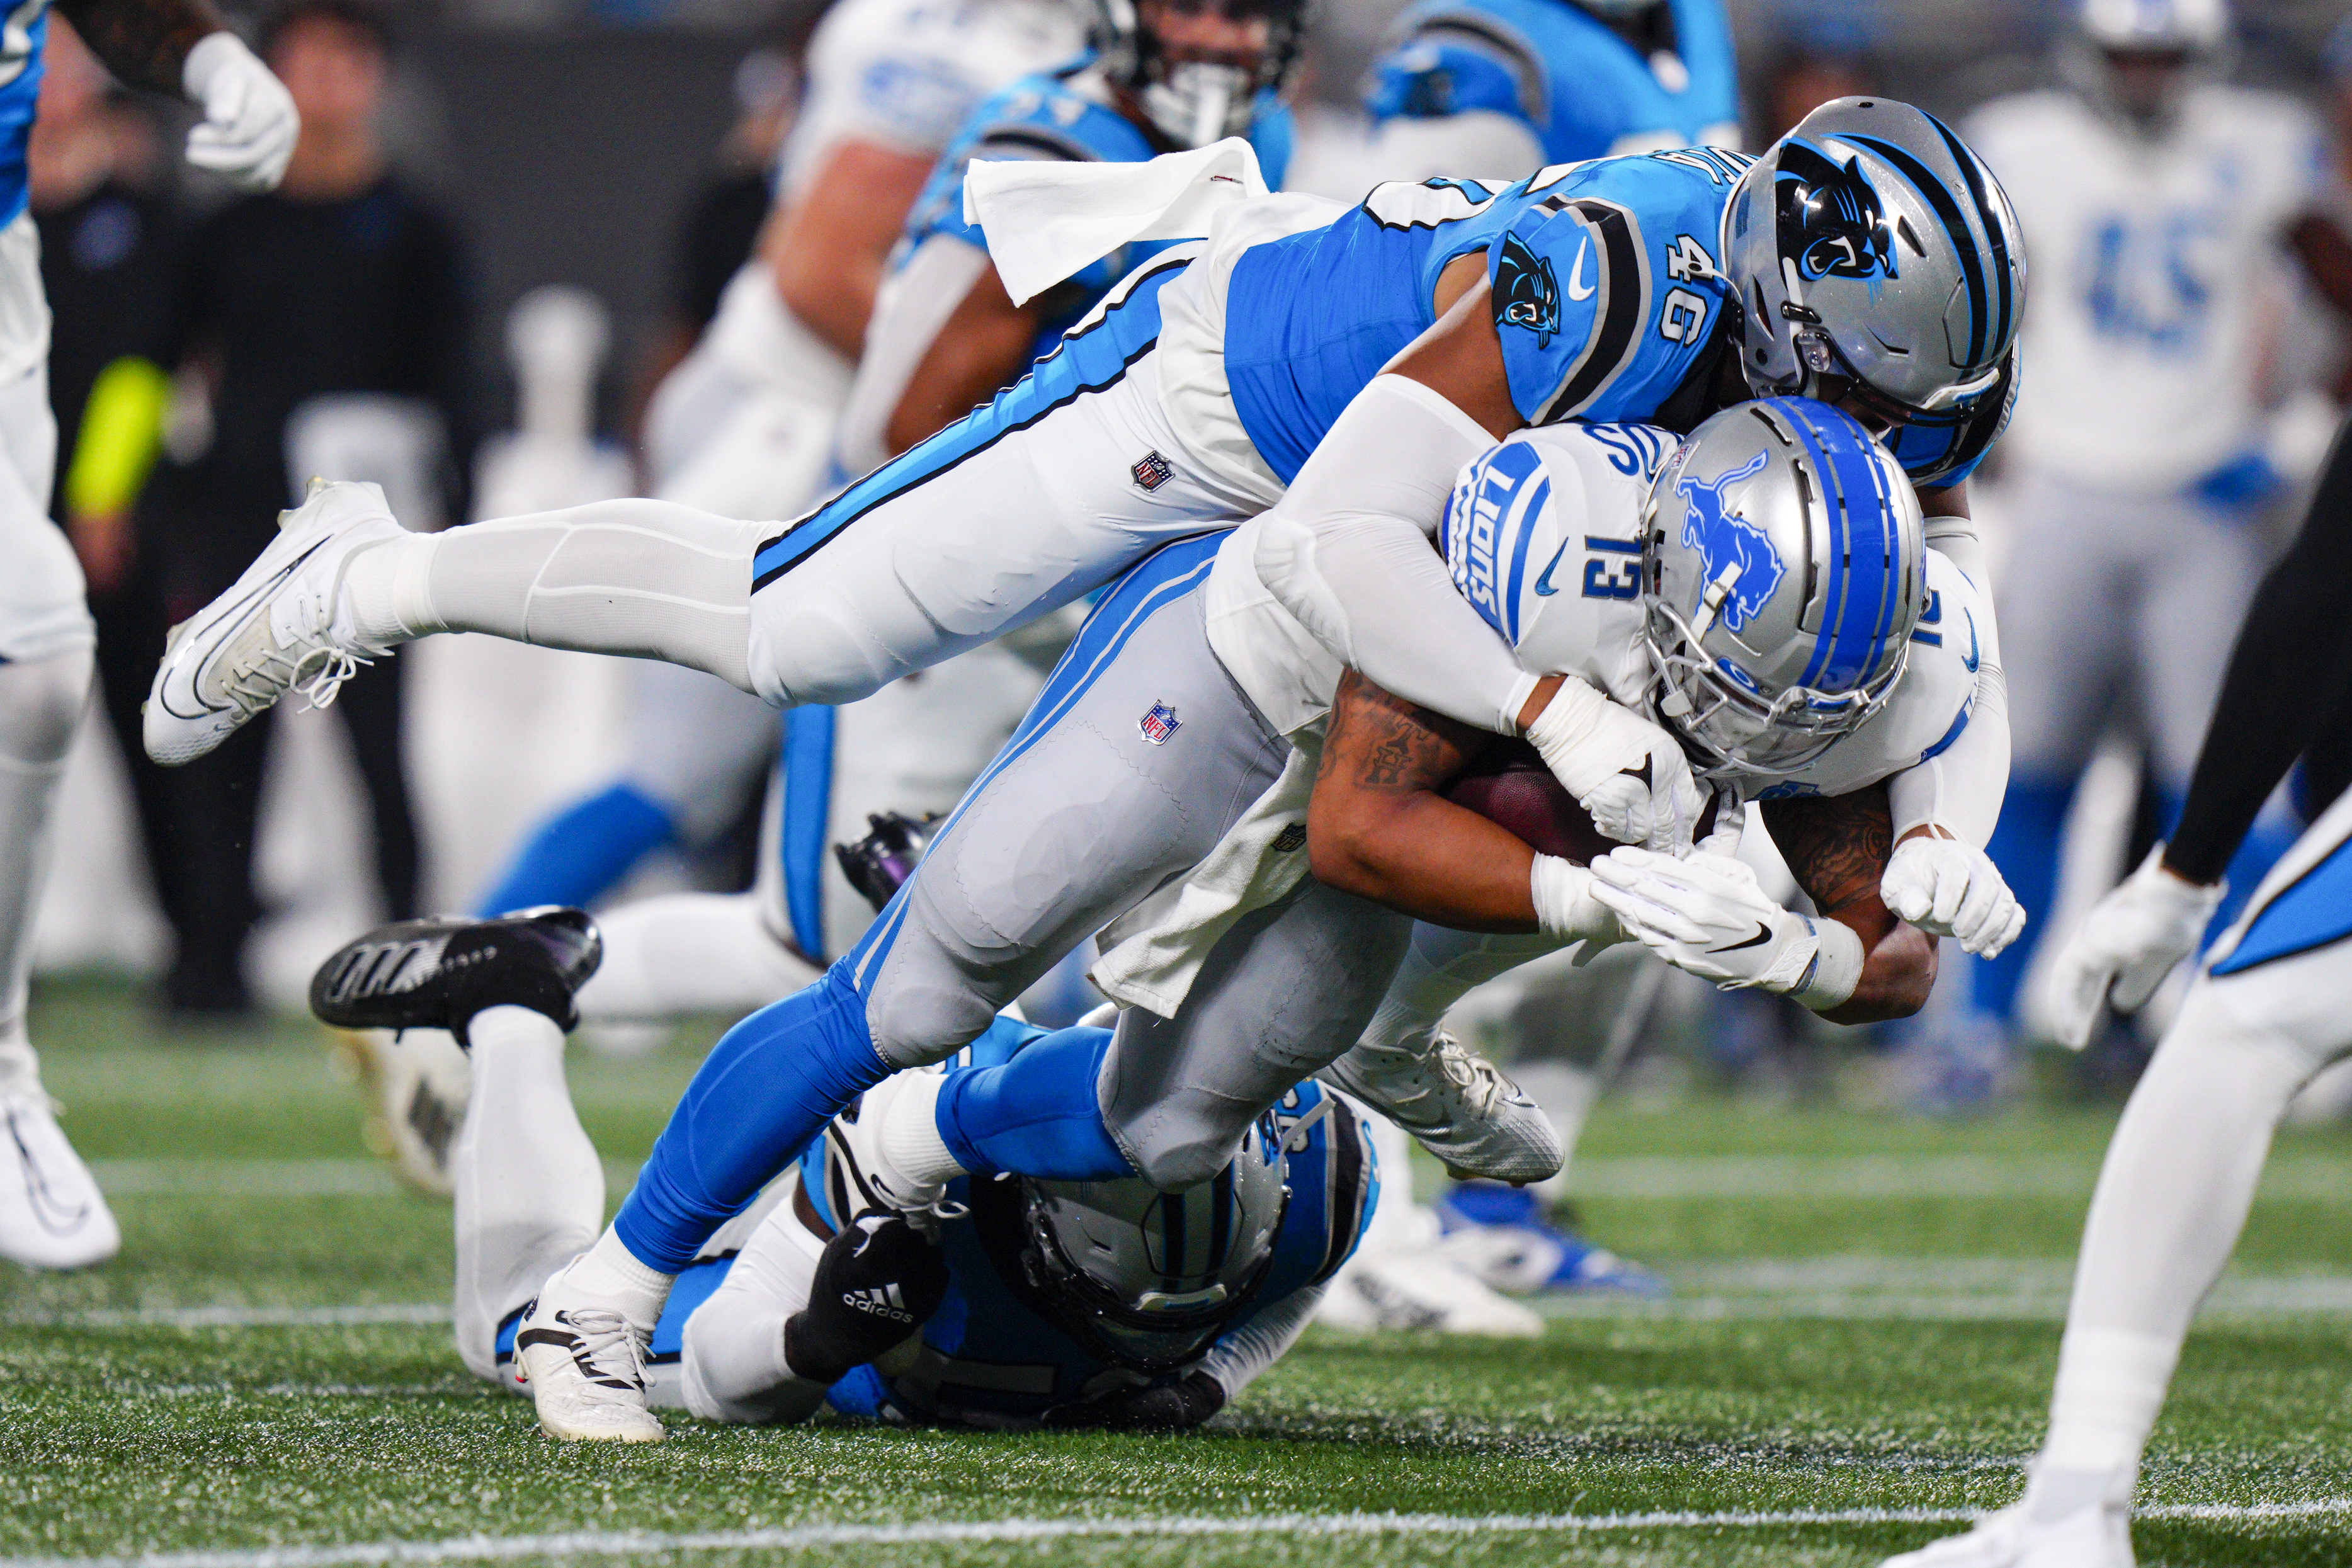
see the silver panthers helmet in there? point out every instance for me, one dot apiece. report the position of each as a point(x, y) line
point(1785, 566)
point(1145, 1279)
point(1877, 260)
point(1195, 103)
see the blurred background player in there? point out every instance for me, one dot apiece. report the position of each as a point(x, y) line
point(329, 319)
point(51, 1213)
point(1015, 1303)
point(944, 336)
point(743, 425)
point(1501, 88)
point(2161, 205)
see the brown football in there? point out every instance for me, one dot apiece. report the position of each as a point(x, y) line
point(1509, 785)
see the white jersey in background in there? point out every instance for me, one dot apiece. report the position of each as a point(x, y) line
point(2153, 263)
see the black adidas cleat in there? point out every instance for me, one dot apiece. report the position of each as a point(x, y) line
point(438, 973)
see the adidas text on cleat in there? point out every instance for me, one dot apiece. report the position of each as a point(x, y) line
point(586, 1369)
point(284, 625)
point(1456, 1105)
point(438, 973)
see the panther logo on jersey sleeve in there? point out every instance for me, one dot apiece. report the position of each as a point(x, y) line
point(1742, 568)
point(1831, 217)
point(1526, 291)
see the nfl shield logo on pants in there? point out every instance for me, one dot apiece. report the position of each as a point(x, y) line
point(1151, 470)
point(1158, 723)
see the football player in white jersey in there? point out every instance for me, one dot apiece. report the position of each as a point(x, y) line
point(51, 1213)
point(2161, 205)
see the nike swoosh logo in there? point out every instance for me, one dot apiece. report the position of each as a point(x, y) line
point(1974, 654)
point(1577, 288)
point(1544, 590)
point(1763, 934)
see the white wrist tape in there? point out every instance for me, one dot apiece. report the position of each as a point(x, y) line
point(1836, 968)
point(1570, 721)
point(1565, 906)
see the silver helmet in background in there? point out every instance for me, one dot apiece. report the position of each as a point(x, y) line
point(1194, 102)
point(1148, 1280)
point(1877, 263)
point(1784, 568)
point(2138, 60)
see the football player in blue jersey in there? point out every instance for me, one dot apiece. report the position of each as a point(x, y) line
point(1106, 1304)
point(1506, 87)
point(51, 1212)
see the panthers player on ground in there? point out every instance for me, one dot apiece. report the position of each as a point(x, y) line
point(1005, 1304)
point(1504, 86)
point(2268, 1009)
point(1168, 779)
point(1870, 255)
point(2161, 201)
point(51, 1213)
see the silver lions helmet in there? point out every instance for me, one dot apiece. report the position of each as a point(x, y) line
point(1785, 566)
point(1147, 1279)
point(1194, 102)
point(2137, 60)
point(1876, 261)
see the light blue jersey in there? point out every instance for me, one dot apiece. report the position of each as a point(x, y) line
point(1067, 115)
point(1582, 90)
point(23, 33)
point(1607, 294)
point(990, 1355)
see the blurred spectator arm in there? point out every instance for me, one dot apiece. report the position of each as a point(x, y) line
point(121, 430)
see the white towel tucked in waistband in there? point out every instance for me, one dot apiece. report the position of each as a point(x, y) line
point(1152, 953)
point(1046, 220)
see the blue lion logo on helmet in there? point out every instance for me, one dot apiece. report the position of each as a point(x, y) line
point(1733, 551)
point(1830, 216)
point(1527, 294)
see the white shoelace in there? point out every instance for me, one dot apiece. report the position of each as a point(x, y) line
point(599, 1331)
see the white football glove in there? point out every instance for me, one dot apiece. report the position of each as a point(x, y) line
point(1706, 914)
point(1566, 908)
point(2129, 945)
point(250, 125)
point(1948, 887)
point(1630, 774)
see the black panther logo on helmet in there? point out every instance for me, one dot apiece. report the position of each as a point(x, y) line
point(1527, 294)
point(1829, 217)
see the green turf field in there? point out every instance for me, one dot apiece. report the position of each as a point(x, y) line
point(1865, 1326)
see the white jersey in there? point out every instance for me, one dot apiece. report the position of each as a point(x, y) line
point(907, 73)
point(2153, 262)
point(1553, 563)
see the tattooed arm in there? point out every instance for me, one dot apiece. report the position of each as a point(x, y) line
point(145, 43)
point(1838, 848)
point(1378, 828)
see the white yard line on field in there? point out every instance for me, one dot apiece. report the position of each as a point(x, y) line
point(1899, 1177)
point(236, 1317)
point(276, 1178)
point(647, 1543)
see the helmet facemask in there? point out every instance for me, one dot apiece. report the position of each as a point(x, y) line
point(1194, 103)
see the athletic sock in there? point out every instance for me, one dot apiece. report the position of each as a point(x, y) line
point(638, 578)
point(910, 1136)
point(766, 1089)
point(41, 705)
point(2172, 1198)
point(529, 1187)
point(609, 1271)
point(1039, 1114)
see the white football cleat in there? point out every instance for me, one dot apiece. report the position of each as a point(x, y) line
point(586, 1365)
point(1411, 1288)
point(283, 627)
point(52, 1214)
point(417, 1082)
point(2098, 1536)
point(1455, 1105)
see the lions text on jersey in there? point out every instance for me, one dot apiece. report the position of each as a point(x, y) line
point(1544, 538)
point(1581, 90)
point(1608, 295)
